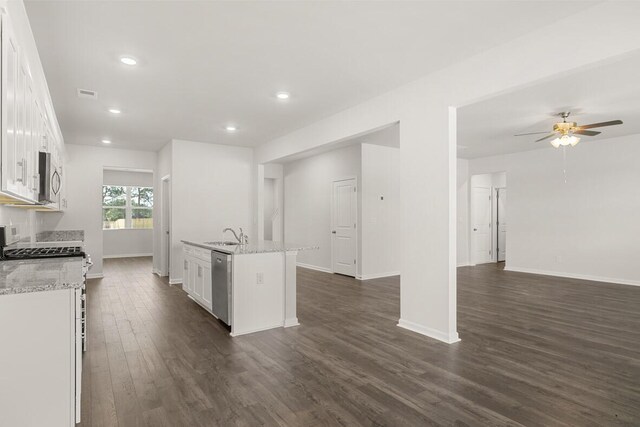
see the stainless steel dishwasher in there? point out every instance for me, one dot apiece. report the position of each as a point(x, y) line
point(222, 284)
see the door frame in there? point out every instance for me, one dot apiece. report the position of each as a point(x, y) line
point(472, 256)
point(165, 215)
point(331, 224)
point(496, 221)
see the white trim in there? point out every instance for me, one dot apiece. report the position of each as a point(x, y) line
point(464, 264)
point(127, 255)
point(429, 332)
point(95, 276)
point(574, 276)
point(251, 331)
point(378, 275)
point(291, 322)
point(313, 267)
point(175, 281)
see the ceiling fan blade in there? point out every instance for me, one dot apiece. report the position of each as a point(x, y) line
point(587, 132)
point(602, 124)
point(551, 135)
point(530, 133)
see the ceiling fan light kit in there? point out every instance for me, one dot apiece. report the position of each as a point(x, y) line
point(565, 140)
point(565, 132)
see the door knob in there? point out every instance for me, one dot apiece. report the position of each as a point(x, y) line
point(333, 232)
point(475, 229)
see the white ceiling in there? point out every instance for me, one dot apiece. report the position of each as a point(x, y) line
point(606, 92)
point(205, 64)
point(388, 136)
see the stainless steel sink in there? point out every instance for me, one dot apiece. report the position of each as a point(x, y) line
point(227, 243)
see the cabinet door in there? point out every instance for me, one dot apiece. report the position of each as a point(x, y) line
point(206, 290)
point(10, 172)
point(186, 275)
point(199, 280)
point(21, 131)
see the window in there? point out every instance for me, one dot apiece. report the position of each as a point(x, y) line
point(126, 207)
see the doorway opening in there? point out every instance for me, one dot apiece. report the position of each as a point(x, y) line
point(344, 226)
point(488, 218)
point(165, 231)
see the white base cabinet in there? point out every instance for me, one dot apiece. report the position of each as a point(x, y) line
point(196, 277)
point(40, 358)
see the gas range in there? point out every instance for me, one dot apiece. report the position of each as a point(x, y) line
point(45, 252)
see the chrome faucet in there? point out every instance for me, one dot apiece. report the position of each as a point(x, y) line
point(242, 239)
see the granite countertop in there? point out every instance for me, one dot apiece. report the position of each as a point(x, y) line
point(36, 275)
point(259, 247)
point(60, 236)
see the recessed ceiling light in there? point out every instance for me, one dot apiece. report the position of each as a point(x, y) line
point(106, 141)
point(114, 111)
point(283, 95)
point(127, 60)
point(230, 128)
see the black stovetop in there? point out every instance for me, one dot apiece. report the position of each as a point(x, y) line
point(35, 253)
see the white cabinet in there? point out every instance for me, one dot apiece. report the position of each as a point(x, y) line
point(25, 129)
point(41, 358)
point(196, 278)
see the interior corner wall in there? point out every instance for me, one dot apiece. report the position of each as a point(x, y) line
point(585, 227)
point(211, 189)
point(462, 226)
point(84, 169)
point(308, 185)
point(380, 212)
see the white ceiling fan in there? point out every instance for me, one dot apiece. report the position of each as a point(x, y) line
point(565, 132)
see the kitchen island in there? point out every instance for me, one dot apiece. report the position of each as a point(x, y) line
point(250, 287)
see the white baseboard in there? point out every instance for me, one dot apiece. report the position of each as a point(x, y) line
point(573, 276)
point(95, 276)
point(251, 331)
point(126, 256)
point(378, 275)
point(313, 267)
point(429, 332)
point(175, 281)
point(291, 322)
point(159, 273)
point(465, 264)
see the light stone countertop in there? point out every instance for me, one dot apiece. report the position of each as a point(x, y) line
point(259, 247)
point(36, 275)
point(60, 236)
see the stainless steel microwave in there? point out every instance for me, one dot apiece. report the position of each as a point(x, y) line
point(50, 181)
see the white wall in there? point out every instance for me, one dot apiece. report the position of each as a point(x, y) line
point(120, 243)
point(462, 229)
point(84, 169)
point(211, 190)
point(308, 185)
point(269, 207)
point(425, 110)
point(586, 227)
point(380, 223)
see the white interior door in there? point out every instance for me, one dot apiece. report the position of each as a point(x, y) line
point(344, 220)
point(165, 229)
point(502, 224)
point(481, 225)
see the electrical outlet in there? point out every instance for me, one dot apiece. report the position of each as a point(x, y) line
point(260, 278)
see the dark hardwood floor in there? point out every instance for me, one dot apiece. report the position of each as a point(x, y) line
point(535, 350)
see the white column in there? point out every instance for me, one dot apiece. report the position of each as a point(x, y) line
point(428, 163)
point(290, 309)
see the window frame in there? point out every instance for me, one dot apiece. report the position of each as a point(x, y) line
point(127, 207)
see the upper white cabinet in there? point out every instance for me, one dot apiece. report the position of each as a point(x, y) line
point(26, 130)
